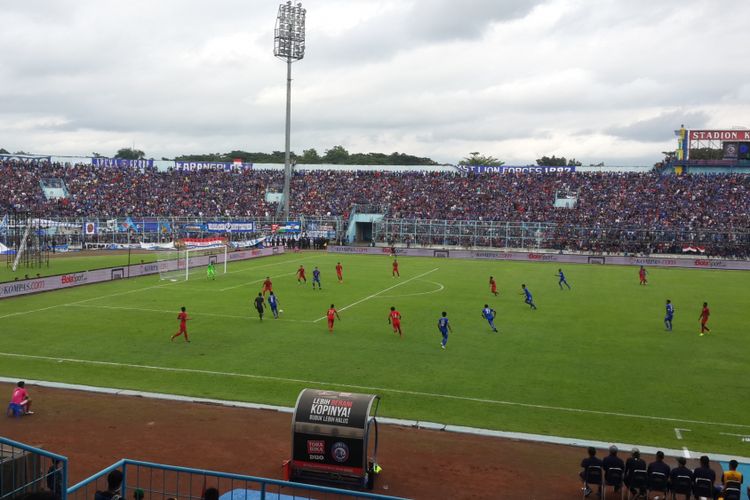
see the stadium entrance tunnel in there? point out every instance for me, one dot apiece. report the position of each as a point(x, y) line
point(334, 439)
point(364, 232)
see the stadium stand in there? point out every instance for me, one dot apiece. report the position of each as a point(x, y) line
point(611, 209)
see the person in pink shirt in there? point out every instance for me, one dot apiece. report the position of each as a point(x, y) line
point(21, 398)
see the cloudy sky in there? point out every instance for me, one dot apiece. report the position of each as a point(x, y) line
point(598, 80)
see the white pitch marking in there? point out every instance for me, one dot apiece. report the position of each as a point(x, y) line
point(437, 290)
point(267, 265)
point(378, 293)
point(141, 309)
point(743, 437)
point(678, 432)
point(685, 452)
point(370, 388)
point(31, 311)
point(20, 313)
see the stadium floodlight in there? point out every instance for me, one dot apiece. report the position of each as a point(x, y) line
point(289, 44)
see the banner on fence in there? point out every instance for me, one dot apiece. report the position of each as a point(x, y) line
point(506, 169)
point(89, 228)
point(119, 162)
point(289, 227)
point(213, 165)
point(230, 227)
point(202, 242)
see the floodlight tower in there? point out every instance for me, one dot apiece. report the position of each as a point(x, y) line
point(289, 44)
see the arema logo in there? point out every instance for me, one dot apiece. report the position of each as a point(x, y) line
point(340, 452)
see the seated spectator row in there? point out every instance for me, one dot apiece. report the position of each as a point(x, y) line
point(640, 480)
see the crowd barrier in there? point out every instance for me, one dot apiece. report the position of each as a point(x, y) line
point(57, 282)
point(24, 469)
point(27, 469)
point(681, 262)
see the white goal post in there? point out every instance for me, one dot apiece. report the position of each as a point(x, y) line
point(176, 265)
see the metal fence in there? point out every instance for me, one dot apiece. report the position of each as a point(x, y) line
point(26, 469)
point(93, 232)
point(151, 481)
point(565, 237)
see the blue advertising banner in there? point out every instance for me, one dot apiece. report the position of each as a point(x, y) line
point(119, 162)
point(212, 165)
point(505, 169)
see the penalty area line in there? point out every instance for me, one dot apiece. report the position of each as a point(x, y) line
point(369, 388)
point(378, 293)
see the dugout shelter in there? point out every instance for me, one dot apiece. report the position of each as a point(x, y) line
point(332, 435)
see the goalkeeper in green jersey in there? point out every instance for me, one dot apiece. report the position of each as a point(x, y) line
point(211, 271)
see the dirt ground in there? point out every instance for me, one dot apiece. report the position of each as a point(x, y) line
point(95, 430)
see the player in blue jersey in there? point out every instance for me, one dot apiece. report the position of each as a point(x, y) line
point(669, 315)
point(273, 302)
point(529, 299)
point(444, 327)
point(562, 281)
point(316, 278)
point(489, 314)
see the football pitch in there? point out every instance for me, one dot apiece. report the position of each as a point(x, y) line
point(593, 362)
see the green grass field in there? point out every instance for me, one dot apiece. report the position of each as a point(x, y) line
point(592, 363)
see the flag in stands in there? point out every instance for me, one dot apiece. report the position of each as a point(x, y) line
point(4, 225)
point(694, 249)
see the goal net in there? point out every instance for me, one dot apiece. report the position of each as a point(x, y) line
point(183, 264)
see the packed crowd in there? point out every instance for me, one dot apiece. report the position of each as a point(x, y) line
point(612, 207)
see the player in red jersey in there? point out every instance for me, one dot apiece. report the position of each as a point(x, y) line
point(183, 317)
point(642, 276)
point(394, 318)
point(267, 286)
point(395, 269)
point(301, 275)
point(493, 286)
point(331, 314)
point(705, 313)
point(340, 272)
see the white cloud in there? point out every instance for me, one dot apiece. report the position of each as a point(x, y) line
point(596, 80)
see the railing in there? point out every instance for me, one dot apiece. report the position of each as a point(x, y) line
point(622, 238)
point(25, 469)
point(148, 480)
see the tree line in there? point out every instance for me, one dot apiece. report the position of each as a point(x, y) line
point(338, 155)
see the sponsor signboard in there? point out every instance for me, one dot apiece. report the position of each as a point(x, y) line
point(48, 283)
point(683, 262)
